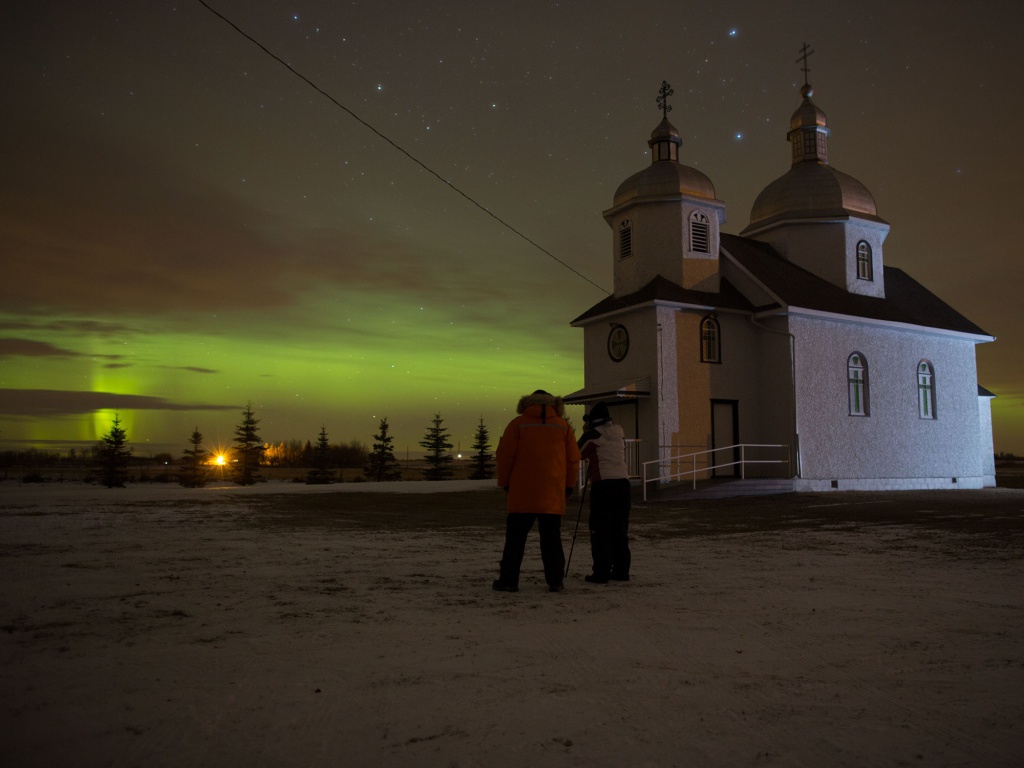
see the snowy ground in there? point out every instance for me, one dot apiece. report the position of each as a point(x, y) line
point(292, 625)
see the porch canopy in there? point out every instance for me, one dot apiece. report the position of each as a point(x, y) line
point(631, 389)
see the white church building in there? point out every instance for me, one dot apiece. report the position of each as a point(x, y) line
point(794, 334)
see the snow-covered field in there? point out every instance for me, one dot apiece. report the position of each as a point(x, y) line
point(293, 625)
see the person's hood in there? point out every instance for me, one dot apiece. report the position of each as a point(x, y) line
point(555, 404)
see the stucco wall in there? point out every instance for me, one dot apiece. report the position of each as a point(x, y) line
point(988, 458)
point(640, 362)
point(829, 250)
point(892, 441)
point(660, 243)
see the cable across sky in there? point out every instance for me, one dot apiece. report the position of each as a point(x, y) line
point(395, 145)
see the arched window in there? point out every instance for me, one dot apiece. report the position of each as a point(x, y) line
point(925, 390)
point(857, 380)
point(700, 233)
point(625, 239)
point(865, 269)
point(710, 340)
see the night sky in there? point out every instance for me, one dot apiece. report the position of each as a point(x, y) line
point(187, 226)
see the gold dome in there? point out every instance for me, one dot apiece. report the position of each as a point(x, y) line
point(812, 191)
point(665, 180)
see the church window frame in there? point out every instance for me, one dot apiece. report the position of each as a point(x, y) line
point(625, 239)
point(710, 340)
point(810, 143)
point(926, 391)
point(700, 232)
point(865, 266)
point(857, 384)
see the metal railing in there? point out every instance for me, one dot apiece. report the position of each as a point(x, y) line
point(703, 463)
point(633, 465)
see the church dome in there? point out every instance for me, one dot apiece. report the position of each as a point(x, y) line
point(665, 179)
point(812, 190)
point(808, 113)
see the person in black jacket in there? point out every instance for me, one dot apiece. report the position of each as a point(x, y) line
point(602, 446)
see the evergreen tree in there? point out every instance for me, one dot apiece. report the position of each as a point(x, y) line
point(381, 465)
point(321, 472)
point(439, 451)
point(250, 448)
point(483, 459)
point(114, 455)
point(193, 473)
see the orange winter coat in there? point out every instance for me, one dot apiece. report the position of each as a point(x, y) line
point(537, 456)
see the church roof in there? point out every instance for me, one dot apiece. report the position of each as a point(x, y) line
point(906, 300)
point(663, 289)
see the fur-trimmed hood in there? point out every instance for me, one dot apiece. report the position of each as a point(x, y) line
point(541, 397)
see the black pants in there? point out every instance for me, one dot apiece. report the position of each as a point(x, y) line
point(517, 527)
point(610, 502)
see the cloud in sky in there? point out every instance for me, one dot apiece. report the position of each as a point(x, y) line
point(42, 403)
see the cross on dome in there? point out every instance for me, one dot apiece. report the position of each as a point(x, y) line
point(805, 52)
point(663, 93)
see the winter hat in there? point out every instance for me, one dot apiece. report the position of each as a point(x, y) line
point(598, 415)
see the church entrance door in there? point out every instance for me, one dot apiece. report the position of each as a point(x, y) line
point(725, 431)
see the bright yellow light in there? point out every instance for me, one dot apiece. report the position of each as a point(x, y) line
point(220, 459)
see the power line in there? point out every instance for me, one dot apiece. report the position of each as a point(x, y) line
point(416, 160)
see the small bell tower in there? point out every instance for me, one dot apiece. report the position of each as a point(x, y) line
point(665, 219)
point(817, 216)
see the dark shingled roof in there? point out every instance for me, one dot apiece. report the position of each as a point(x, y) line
point(906, 300)
point(663, 289)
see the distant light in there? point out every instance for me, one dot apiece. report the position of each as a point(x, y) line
point(739, 136)
point(295, 17)
point(732, 32)
point(380, 87)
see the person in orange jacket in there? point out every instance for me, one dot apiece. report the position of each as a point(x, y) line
point(538, 462)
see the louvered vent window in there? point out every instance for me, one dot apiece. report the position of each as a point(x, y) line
point(700, 230)
point(625, 240)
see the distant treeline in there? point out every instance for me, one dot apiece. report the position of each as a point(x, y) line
point(293, 453)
